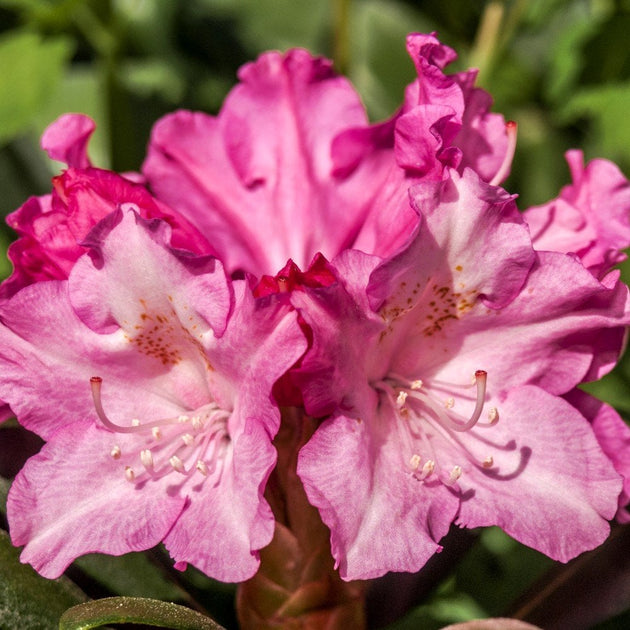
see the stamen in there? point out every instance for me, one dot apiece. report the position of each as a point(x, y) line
point(146, 457)
point(416, 385)
point(488, 462)
point(188, 439)
point(202, 468)
point(401, 399)
point(455, 474)
point(197, 423)
point(135, 422)
point(493, 415)
point(427, 469)
point(129, 474)
point(177, 464)
point(511, 129)
point(115, 452)
point(157, 434)
point(414, 462)
point(183, 419)
point(449, 403)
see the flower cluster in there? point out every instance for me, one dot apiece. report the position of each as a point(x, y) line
point(288, 252)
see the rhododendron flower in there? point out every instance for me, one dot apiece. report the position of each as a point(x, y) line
point(155, 407)
point(590, 218)
point(443, 369)
point(291, 167)
point(52, 227)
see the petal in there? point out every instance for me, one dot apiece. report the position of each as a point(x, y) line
point(66, 139)
point(381, 518)
point(224, 526)
point(72, 499)
point(144, 285)
point(259, 176)
point(613, 435)
point(563, 328)
point(557, 500)
point(591, 217)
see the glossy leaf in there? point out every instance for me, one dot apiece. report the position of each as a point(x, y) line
point(150, 612)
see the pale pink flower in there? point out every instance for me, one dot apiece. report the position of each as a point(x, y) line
point(443, 370)
point(149, 376)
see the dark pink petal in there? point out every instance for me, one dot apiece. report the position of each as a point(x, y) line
point(52, 228)
point(67, 138)
point(590, 218)
point(259, 176)
point(551, 487)
point(477, 138)
point(71, 499)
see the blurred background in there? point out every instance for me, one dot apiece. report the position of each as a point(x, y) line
point(560, 68)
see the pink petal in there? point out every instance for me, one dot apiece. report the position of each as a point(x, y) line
point(66, 139)
point(381, 518)
point(141, 276)
point(259, 176)
point(590, 218)
point(556, 500)
point(72, 499)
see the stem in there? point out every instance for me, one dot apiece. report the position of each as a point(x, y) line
point(341, 35)
point(297, 585)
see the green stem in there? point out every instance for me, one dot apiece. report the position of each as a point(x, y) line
point(341, 35)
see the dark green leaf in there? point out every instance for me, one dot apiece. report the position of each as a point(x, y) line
point(28, 601)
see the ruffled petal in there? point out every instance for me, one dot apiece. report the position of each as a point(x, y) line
point(380, 517)
point(66, 139)
point(557, 500)
point(590, 218)
point(71, 499)
point(259, 176)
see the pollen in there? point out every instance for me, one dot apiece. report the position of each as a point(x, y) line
point(115, 452)
point(129, 474)
point(414, 462)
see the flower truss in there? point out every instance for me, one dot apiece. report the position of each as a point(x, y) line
point(437, 334)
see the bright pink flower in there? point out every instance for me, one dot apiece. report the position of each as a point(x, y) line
point(173, 444)
point(590, 218)
point(417, 444)
point(291, 167)
point(51, 228)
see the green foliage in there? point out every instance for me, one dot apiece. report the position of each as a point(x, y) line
point(28, 601)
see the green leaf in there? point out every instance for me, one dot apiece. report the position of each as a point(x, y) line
point(607, 106)
point(27, 600)
point(31, 70)
point(150, 612)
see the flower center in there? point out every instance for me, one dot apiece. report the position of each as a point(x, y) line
point(430, 412)
point(185, 444)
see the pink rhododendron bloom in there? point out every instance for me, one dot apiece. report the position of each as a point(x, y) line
point(149, 376)
point(590, 218)
point(443, 369)
point(52, 227)
point(291, 167)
